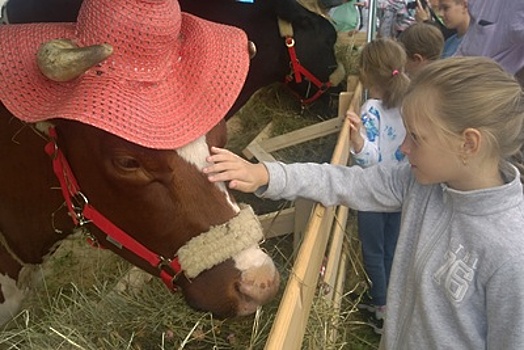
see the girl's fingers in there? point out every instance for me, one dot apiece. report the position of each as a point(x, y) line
point(240, 174)
point(217, 166)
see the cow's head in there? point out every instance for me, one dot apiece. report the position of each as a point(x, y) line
point(135, 131)
point(162, 199)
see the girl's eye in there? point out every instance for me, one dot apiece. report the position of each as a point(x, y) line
point(413, 136)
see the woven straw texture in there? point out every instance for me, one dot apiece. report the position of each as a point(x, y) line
point(171, 78)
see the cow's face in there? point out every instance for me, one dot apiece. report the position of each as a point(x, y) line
point(162, 199)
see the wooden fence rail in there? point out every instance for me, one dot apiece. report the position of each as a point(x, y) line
point(326, 225)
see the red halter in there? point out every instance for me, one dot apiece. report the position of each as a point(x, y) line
point(298, 70)
point(83, 213)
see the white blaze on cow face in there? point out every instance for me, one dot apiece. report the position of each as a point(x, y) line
point(196, 153)
point(259, 276)
point(13, 298)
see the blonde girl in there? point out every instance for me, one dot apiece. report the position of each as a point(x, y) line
point(375, 137)
point(457, 280)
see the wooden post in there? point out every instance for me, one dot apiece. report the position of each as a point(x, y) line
point(291, 319)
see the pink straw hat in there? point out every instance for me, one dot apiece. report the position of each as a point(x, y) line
point(170, 79)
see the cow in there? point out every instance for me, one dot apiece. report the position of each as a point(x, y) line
point(299, 52)
point(152, 206)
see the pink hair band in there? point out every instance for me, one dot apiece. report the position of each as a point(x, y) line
point(395, 72)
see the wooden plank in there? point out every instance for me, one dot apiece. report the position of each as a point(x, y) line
point(336, 270)
point(335, 251)
point(291, 319)
point(344, 100)
point(338, 294)
point(299, 136)
point(262, 145)
point(255, 150)
point(264, 134)
point(278, 223)
point(341, 152)
point(303, 210)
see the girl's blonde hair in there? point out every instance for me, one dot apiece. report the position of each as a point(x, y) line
point(457, 93)
point(423, 39)
point(382, 64)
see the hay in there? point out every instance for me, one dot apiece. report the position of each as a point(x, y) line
point(276, 104)
point(77, 308)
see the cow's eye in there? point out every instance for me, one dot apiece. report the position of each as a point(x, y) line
point(126, 163)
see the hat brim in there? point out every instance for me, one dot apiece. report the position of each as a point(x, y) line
point(204, 82)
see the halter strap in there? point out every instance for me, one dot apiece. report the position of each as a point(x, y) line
point(198, 254)
point(82, 213)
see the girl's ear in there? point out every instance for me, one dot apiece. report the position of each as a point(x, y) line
point(472, 141)
point(418, 58)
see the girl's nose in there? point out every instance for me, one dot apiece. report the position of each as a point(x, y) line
point(404, 148)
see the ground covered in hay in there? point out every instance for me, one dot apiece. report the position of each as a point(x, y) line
point(77, 306)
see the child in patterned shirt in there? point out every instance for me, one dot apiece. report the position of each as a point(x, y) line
point(375, 137)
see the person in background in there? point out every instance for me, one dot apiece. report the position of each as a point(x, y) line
point(456, 16)
point(497, 31)
point(423, 43)
point(346, 17)
point(428, 12)
point(376, 138)
point(393, 17)
point(457, 280)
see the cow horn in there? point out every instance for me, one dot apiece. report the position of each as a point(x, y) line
point(61, 60)
point(252, 48)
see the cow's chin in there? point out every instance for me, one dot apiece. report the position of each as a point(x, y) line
point(227, 292)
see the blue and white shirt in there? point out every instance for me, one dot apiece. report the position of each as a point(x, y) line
point(383, 133)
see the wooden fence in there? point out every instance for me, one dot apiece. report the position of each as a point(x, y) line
point(322, 236)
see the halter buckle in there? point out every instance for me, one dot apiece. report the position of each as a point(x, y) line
point(79, 202)
point(164, 263)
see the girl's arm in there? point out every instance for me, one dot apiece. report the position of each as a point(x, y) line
point(379, 189)
point(505, 307)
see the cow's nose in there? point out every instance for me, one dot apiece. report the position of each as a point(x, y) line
point(257, 286)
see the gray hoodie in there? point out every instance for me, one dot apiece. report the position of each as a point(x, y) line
point(457, 280)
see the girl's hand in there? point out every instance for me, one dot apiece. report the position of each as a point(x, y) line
point(422, 14)
point(355, 138)
point(241, 174)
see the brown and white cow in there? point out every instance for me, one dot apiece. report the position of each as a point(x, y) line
point(160, 198)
